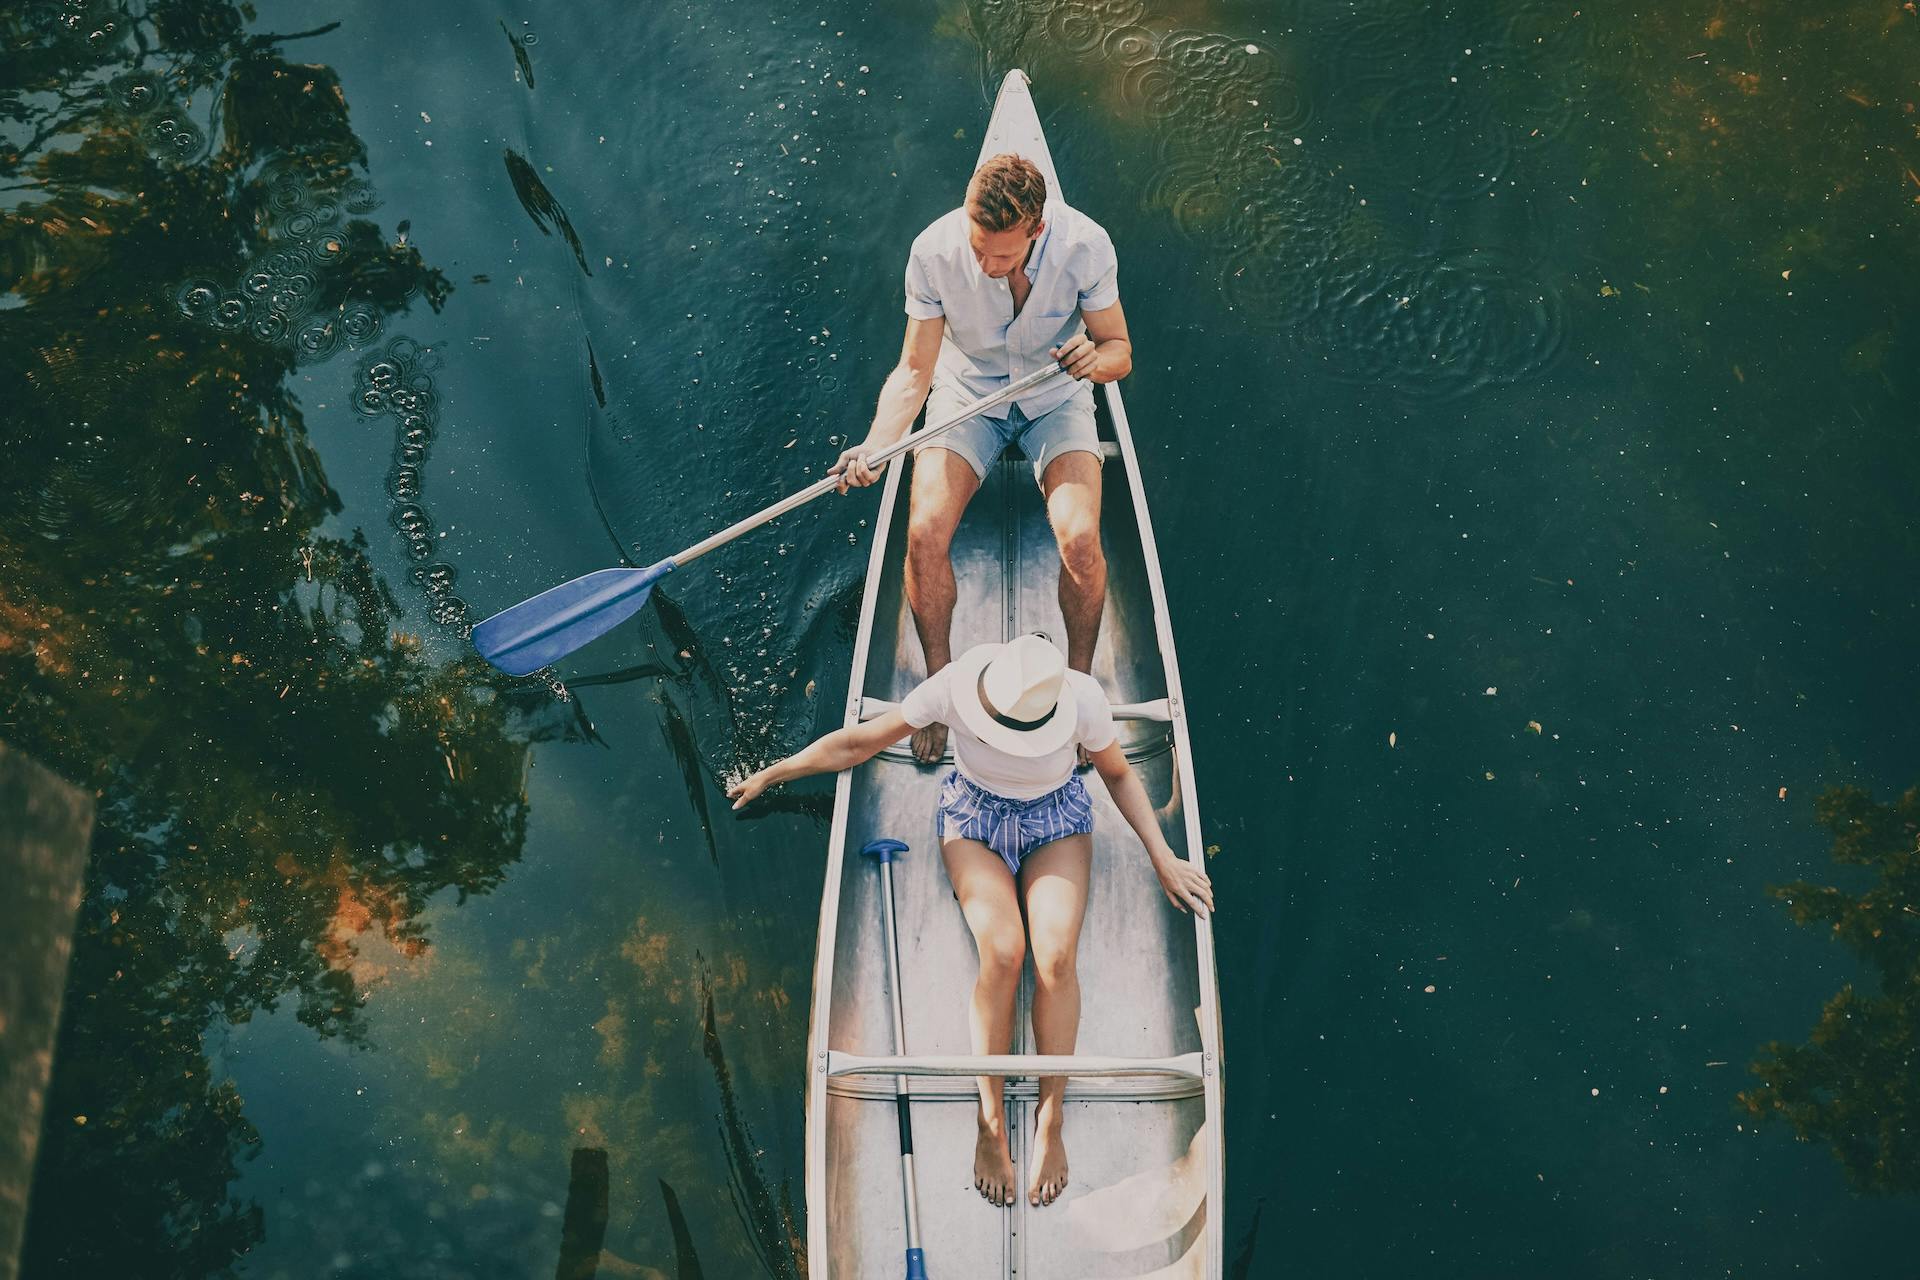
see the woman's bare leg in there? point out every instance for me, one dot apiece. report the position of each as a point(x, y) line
point(1053, 883)
point(992, 908)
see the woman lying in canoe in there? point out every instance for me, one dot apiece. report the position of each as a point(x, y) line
point(1015, 826)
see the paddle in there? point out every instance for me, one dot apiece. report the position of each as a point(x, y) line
point(530, 635)
point(884, 852)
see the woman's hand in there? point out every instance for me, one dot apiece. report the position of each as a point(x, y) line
point(1185, 885)
point(748, 789)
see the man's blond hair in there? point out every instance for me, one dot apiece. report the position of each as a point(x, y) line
point(1007, 192)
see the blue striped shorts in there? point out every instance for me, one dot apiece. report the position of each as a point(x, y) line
point(1013, 828)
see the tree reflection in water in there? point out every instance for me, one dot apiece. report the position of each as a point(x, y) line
point(176, 634)
point(1855, 1084)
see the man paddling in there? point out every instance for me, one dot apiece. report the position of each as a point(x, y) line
point(1015, 824)
point(994, 289)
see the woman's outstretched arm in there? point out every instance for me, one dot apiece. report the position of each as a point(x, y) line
point(841, 749)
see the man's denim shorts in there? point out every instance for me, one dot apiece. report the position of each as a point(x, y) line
point(1067, 428)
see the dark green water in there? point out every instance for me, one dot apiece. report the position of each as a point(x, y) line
point(1526, 399)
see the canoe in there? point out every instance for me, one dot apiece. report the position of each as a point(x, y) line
point(1143, 1122)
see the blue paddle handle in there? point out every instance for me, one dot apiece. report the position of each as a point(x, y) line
point(916, 1264)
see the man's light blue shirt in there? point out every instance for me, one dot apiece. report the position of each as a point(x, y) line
point(1072, 269)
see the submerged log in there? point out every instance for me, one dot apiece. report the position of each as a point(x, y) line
point(45, 825)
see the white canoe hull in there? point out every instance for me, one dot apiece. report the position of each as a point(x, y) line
point(1145, 1154)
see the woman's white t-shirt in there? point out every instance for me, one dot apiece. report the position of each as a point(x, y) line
point(1005, 774)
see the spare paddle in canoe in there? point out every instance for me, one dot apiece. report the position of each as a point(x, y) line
point(883, 852)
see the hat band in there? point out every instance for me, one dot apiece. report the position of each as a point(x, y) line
point(1006, 721)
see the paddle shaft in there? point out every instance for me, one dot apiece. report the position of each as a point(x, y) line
point(902, 1105)
point(912, 440)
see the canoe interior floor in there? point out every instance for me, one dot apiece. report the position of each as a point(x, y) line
point(1135, 1201)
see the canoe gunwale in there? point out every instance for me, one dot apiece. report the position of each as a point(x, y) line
point(1209, 1011)
point(828, 939)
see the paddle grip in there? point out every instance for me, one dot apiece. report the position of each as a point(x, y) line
point(884, 849)
point(916, 1264)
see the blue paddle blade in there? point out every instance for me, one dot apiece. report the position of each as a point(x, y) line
point(545, 629)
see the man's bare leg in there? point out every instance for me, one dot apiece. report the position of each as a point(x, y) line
point(1072, 486)
point(988, 900)
point(943, 483)
point(1053, 881)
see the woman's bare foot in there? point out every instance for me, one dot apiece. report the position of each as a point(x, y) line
point(930, 743)
point(992, 1166)
point(1049, 1160)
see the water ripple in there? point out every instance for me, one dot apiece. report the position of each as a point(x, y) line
point(1451, 98)
point(1444, 328)
point(1128, 46)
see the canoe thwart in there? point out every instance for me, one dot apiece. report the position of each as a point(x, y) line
point(1157, 710)
point(962, 1089)
point(1186, 1066)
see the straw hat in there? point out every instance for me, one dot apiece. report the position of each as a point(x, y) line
point(1008, 695)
